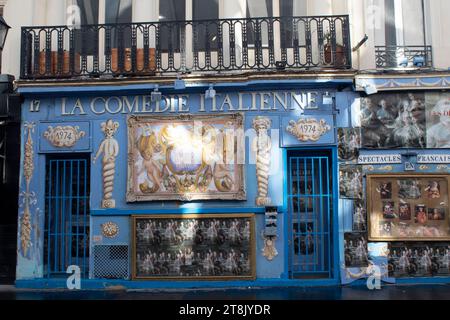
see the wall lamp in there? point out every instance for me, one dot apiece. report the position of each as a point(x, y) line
point(156, 94)
point(327, 98)
point(210, 93)
point(179, 84)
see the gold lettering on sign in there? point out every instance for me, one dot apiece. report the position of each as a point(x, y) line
point(62, 137)
point(308, 129)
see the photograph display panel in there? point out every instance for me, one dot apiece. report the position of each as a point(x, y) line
point(408, 207)
point(212, 246)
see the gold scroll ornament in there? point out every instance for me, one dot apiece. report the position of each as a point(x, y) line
point(308, 129)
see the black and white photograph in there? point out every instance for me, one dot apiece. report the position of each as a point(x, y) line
point(393, 121)
point(211, 246)
point(438, 120)
point(410, 259)
point(349, 143)
point(409, 189)
point(350, 182)
point(355, 249)
point(359, 216)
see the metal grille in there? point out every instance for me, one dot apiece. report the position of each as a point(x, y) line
point(67, 215)
point(111, 262)
point(310, 203)
point(214, 46)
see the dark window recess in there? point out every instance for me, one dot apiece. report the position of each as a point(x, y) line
point(117, 12)
point(205, 33)
point(86, 38)
point(257, 9)
point(170, 33)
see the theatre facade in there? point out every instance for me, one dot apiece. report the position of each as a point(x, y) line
point(140, 185)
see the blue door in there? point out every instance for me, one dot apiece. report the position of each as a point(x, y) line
point(67, 214)
point(310, 205)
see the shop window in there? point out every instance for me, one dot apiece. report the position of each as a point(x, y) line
point(66, 214)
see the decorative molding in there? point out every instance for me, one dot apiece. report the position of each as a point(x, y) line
point(110, 150)
point(28, 170)
point(262, 146)
point(399, 82)
point(63, 136)
point(110, 229)
point(269, 250)
point(308, 129)
point(423, 167)
point(386, 168)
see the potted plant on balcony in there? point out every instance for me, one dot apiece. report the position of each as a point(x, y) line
point(328, 52)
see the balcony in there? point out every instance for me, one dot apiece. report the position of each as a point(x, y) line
point(403, 57)
point(204, 46)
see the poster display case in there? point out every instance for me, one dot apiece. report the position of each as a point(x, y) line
point(408, 207)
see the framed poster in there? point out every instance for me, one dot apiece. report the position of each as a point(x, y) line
point(349, 143)
point(359, 216)
point(185, 247)
point(186, 157)
point(393, 120)
point(355, 249)
point(438, 119)
point(408, 207)
point(419, 259)
point(350, 182)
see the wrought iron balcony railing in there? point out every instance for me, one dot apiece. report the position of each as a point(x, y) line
point(185, 46)
point(403, 56)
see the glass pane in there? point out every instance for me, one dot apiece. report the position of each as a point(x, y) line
point(171, 10)
point(205, 32)
point(85, 40)
point(257, 9)
point(119, 11)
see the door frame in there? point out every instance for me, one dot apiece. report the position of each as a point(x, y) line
point(335, 243)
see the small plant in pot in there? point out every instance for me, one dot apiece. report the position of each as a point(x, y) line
point(328, 52)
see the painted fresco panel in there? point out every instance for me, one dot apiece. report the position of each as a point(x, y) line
point(186, 158)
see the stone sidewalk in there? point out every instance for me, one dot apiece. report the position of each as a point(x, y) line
point(387, 292)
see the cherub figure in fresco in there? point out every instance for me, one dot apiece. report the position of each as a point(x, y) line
point(148, 146)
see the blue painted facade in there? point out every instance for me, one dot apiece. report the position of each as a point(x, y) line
point(87, 107)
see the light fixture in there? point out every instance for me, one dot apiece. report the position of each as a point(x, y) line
point(4, 28)
point(179, 84)
point(210, 93)
point(419, 61)
point(156, 94)
point(327, 98)
point(370, 89)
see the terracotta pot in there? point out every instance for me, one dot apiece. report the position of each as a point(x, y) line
point(340, 55)
point(54, 64)
point(128, 61)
